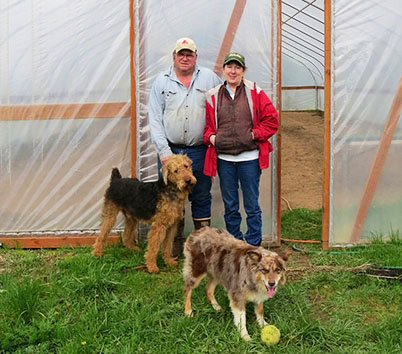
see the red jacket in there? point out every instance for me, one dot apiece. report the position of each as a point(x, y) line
point(265, 121)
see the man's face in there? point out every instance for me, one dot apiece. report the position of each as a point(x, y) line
point(184, 61)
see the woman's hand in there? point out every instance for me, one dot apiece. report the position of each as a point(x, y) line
point(212, 139)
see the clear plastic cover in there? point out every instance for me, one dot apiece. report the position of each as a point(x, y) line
point(160, 24)
point(367, 67)
point(75, 56)
point(302, 54)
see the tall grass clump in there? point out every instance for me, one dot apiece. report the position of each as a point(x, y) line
point(22, 300)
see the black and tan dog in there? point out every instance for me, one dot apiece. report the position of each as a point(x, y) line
point(159, 204)
point(248, 273)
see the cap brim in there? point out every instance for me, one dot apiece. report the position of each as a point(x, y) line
point(234, 60)
point(183, 48)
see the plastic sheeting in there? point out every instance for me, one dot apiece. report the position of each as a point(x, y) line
point(53, 172)
point(160, 24)
point(367, 66)
point(303, 99)
point(302, 53)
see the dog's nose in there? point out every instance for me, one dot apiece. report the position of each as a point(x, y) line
point(271, 284)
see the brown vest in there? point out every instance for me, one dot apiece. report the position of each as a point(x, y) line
point(235, 122)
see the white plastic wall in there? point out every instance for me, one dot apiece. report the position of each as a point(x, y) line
point(160, 24)
point(53, 172)
point(302, 54)
point(367, 66)
point(303, 100)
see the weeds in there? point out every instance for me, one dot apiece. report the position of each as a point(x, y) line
point(66, 301)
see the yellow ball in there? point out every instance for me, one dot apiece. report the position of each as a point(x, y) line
point(270, 335)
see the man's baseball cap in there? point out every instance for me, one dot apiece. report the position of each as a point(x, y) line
point(238, 58)
point(185, 43)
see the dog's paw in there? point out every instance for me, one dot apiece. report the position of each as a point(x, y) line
point(97, 253)
point(172, 262)
point(246, 337)
point(152, 269)
point(134, 248)
point(216, 307)
point(189, 313)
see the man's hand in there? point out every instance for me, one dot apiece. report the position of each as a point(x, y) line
point(212, 139)
point(163, 160)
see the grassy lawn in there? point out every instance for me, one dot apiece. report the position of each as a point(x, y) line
point(67, 301)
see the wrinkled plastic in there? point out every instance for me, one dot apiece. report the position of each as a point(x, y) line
point(302, 54)
point(53, 172)
point(367, 66)
point(160, 24)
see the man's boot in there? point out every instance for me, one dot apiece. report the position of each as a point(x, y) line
point(178, 242)
point(198, 224)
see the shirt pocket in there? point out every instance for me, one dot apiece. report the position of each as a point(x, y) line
point(171, 99)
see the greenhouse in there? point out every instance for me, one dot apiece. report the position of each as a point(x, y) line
point(75, 79)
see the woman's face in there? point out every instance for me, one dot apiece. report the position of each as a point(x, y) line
point(233, 73)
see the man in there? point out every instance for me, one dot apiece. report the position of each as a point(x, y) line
point(177, 119)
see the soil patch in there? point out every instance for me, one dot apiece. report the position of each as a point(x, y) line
point(302, 160)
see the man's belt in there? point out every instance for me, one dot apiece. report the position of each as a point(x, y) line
point(182, 146)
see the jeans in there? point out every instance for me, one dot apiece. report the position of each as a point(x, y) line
point(200, 197)
point(248, 173)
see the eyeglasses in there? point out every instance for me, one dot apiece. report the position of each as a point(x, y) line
point(188, 56)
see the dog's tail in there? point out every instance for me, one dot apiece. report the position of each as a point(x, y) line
point(115, 174)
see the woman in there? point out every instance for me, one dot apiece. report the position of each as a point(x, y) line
point(240, 119)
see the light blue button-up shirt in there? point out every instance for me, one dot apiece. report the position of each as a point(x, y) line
point(177, 113)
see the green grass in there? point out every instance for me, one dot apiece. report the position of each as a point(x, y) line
point(301, 224)
point(66, 301)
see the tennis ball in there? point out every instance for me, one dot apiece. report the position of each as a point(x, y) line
point(270, 335)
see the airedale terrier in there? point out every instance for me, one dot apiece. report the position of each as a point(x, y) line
point(159, 204)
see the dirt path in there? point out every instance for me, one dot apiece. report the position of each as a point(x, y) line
point(302, 159)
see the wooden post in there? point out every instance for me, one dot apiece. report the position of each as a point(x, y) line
point(327, 126)
point(229, 35)
point(379, 161)
point(55, 241)
point(279, 133)
point(133, 94)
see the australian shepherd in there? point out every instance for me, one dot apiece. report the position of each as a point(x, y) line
point(248, 273)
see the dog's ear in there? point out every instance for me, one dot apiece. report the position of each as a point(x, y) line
point(283, 278)
point(285, 255)
point(255, 256)
point(165, 172)
point(281, 261)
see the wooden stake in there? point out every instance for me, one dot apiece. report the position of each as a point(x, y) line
point(327, 127)
point(54, 241)
point(229, 35)
point(279, 109)
point(133, 94)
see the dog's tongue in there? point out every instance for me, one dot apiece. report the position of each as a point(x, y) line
point(271, 292)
